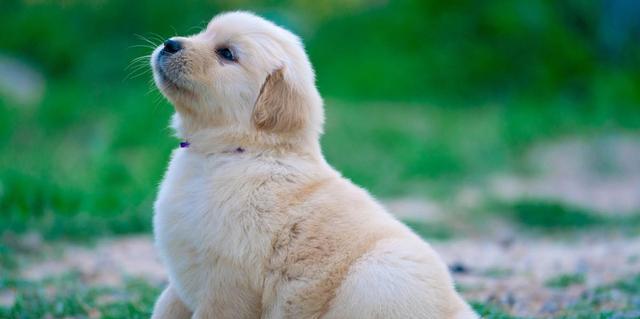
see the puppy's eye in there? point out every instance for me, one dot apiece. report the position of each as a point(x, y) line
point(226, 54)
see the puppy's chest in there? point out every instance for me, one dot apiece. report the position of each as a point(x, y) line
point(188, 205)
point(204, 220)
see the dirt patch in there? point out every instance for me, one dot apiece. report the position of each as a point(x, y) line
point(601, 174)
point(110, 263)
point(516, 273)
point(510, 273)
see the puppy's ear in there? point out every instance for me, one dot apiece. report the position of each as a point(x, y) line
point(279, 107)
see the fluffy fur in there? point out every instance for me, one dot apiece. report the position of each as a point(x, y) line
point(250, 220)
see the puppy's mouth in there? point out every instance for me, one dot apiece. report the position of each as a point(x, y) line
point(169, 74)
point(165, 80)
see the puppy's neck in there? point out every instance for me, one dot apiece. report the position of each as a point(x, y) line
point(227, 139)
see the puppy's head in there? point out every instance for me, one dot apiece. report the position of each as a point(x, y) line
point(241, 70)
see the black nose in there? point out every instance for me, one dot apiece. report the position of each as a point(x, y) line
point(172, 46)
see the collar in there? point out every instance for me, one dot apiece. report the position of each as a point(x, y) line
point(239, 149)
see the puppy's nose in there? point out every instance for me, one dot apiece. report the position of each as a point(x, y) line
point(172, 46)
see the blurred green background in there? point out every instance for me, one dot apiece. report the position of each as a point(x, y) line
point(422, 97)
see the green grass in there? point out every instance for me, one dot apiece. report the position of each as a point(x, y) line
point(86, 155)
point(489, 311)
point(553, 216)
point(95, 155)
point(565, 280)
point(498, 272)
point(617, 300)
point(66, 296)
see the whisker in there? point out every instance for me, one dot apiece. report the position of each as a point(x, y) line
point(137, 73)
point(138, 62)
point(146, 46)
point(135, 69)
point(146, 56)
point(157, 37)
point(146, 40)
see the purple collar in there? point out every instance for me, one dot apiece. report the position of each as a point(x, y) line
point(185, 144)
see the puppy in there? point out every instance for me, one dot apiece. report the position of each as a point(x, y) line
point(250, 220)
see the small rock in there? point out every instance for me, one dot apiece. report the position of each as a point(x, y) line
point(509, 300)
point(458, 268)
point(506, 242)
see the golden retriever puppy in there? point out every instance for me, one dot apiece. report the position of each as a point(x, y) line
point(250, 220)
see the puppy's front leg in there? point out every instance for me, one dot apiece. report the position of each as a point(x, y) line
point(169, 306)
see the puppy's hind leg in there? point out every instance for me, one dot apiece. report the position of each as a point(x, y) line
point(399, 279)
point(169, 306)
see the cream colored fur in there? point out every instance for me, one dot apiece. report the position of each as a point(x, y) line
point(250, 220)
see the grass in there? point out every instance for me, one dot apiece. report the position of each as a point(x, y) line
point(489, 311)
point(75, 160)
point(498, 272)
point(553, 216)
point(565, 280)
point(66, 296)
point(616, 300)
point(94, 155)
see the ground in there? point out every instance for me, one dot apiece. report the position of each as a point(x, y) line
point(523, 277)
